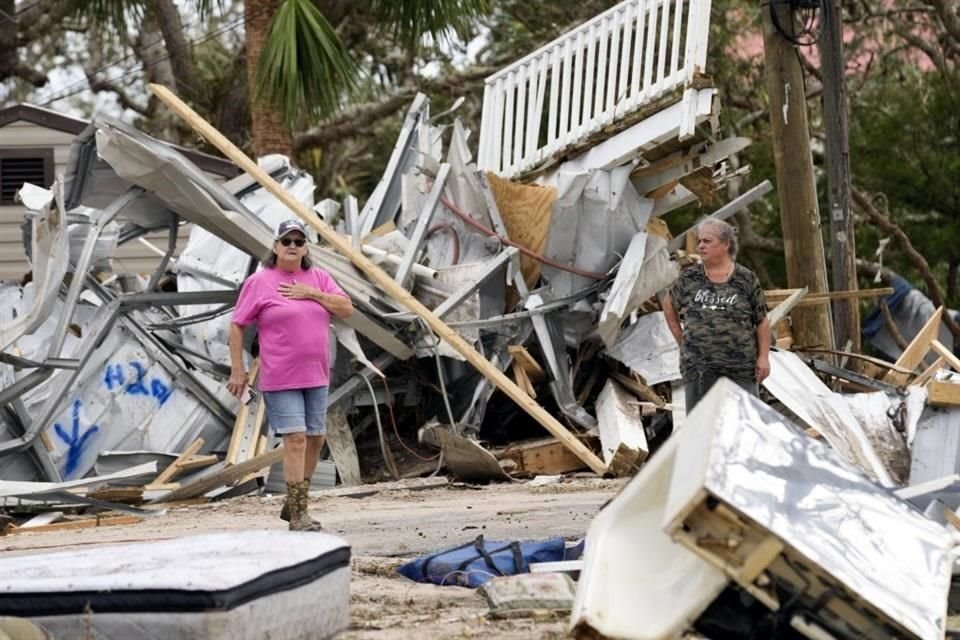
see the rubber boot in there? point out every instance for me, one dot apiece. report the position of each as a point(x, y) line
point(297, 494)
point(285, 509)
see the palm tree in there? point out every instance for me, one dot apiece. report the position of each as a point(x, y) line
point(297, 65)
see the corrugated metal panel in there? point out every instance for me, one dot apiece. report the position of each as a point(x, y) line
point(936, 447)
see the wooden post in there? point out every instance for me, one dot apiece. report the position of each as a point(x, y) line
point(846, 313)
point(382, 279)
point(799, 213)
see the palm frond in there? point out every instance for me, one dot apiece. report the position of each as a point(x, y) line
point(409, 20)
point(116, 13)
point(304, 64)
point(113, 14)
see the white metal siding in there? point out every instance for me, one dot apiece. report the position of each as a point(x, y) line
point(133, 257)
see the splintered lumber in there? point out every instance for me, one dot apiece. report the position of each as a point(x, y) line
point(622, 440)
point(943, 394)
point(117, 494)
point(343, 448)
point(86, 523)
point(638, 388)
point(175, 467)
point(382, 279)
point(545, 456)
point(819, 298)
point(242, 426)
point(522, 357)
point(227, 475)
point(930, 372)
point(918, 348)
point(523, 380)
point(946, 354)
point(195, 462)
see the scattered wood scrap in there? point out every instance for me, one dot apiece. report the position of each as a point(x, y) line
point(545, 456)
point(177, 466)
point(85, 523)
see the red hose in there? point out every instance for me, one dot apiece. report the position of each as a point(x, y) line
point(460, 213)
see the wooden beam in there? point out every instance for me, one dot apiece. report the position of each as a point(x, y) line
point(819, 298)
point(523, 381)
point(176, 467)
point(541, 457)
point(527, 361)
point(638, 388)
point(87, 523)
point(243, 416)
point(195, 462)
point(946, 354)
point(930, 372)
point(918, 348)
point(223, 477)
point(943, 394)
point(343, 448)
point(381, 278)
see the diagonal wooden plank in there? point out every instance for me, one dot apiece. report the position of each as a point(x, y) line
point(918, 348)
point(381, 278)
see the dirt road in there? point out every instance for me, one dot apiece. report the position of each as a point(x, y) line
point(383, 530)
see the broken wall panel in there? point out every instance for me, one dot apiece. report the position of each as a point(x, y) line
point(648, 347)
point(802, 525)
point(801, 391)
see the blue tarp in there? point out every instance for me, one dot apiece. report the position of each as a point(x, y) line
point(476, 562)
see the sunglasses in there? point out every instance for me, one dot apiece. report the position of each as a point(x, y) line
point(297, 241)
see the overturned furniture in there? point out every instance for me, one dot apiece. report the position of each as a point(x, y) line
point(742, 498)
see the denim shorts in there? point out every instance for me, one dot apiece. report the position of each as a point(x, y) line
point(297, 411)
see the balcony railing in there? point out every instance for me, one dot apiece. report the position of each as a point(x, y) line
point(589, 78)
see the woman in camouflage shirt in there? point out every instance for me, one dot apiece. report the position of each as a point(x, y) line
point(717, 313)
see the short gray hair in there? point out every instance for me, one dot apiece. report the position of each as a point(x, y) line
point(725, 233)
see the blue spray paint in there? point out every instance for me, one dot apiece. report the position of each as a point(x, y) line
point(74, 440)
point(135, 383)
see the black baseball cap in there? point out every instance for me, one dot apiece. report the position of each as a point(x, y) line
point(288, 226)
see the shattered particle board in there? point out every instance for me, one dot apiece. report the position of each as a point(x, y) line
point(526, 211)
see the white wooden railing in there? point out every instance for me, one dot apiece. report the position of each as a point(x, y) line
point(587, 79)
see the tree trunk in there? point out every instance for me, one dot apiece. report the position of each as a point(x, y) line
point(269, 133)
point(952, 271)
point(8, 39)
point(178, 48)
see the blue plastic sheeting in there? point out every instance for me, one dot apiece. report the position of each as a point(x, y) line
point(476, 562)
point(910, 310)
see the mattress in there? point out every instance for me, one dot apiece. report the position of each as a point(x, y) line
point(276, 584)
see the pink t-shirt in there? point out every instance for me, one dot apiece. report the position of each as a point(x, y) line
point(294, 334)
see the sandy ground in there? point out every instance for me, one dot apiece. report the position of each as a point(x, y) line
point(383, 530)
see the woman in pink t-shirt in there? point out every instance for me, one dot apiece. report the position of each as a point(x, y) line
point(291, 303)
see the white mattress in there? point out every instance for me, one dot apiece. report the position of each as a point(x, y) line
point(275, 584)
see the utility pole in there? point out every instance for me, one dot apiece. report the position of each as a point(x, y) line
point(846, 313)
point(796, 187)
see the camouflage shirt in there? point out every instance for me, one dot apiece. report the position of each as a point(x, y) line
point(719, 321)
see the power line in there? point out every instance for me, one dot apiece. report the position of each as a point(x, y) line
point(82, 85)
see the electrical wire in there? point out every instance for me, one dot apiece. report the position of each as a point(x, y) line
point(384, 449)
point(811, 32)
point(83, 85)
point(463, 215)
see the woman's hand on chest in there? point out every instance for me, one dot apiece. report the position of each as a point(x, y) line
point(297, 291)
